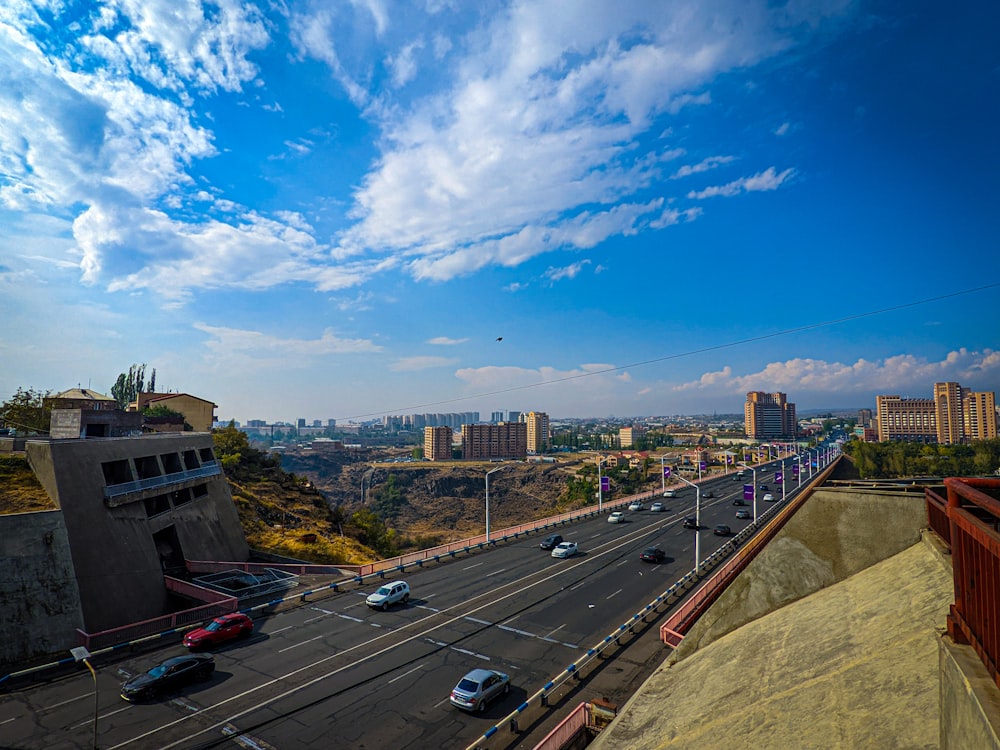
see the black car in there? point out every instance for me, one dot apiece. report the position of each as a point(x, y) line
point(690, 522)
point(653, 555)
point(169, 675)
point(763, 488)
point(550, 542)
point(708, 494)
point(739, 501)
point(722, 530)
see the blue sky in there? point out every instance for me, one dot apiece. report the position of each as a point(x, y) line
point(333, 210)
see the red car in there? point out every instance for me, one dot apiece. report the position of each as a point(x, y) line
point(220, 630)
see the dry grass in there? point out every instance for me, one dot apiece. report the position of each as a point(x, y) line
point(20, 490)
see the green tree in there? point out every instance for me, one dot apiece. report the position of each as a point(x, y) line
point(130, 385)
point(373, 532)
point(26, 412)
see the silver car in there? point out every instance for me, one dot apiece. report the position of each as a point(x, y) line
point(478, 688)
point(390, 593)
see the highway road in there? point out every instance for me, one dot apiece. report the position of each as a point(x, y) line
point(334, 674)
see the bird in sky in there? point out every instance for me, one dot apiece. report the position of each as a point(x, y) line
point(499, 338)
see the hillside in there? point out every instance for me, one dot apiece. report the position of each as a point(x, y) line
point(20, 490)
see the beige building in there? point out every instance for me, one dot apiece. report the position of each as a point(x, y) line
point(538, 431)
point(628, 435)
point(954, 415)
point(503, 440)
point(437, 443)
point(768, 416)
point(198, 412)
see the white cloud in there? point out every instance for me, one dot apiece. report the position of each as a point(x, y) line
point(413, 364)
point(703, 166)
point(783, 129)
point(233, 344)
point(769, 179)
point(567, 272)
point(445, 341)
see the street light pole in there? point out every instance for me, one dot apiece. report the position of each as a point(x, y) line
point(600, 485)
point(663, 476)
point(754, 490)
point(80, 653)
point(488, 498)
point(697, 521)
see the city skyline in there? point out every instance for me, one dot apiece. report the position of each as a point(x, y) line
point(630, 209)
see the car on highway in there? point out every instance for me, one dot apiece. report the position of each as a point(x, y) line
point(763, 488)
point(739, 501)
point(708, 494)
point(670, 493)
point(653, 555)
point(168, 675)
point(768, 498)
point(657, 508)
point(565, 549)
point(690, 522)
point(550, 541)
point(478, 688)
point(636, 505)
point(616, 517)
point(389, 594)
point(722, 530)
point(743, 513)
point(221, 629)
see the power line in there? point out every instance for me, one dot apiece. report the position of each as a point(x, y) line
point(680, 355)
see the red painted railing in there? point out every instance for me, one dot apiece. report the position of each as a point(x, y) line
point(937, 515)
point(974, 520)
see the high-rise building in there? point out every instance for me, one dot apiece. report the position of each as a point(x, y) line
point(864, 417)
point(954, 415)
point(437, 443)
point(769, 415)
point(538, 431)
point(503, 440)
point(496, 416)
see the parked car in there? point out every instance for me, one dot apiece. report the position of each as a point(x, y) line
point(768, 498)
point(565, 549)
point(220, 630)
point(389, 594)
point(173, 673)
point(670, 493)
point(653, 555)
point(636, 505)
point(743, 513)
point(722, 530)
point(616, 517)
point(550, 541)
point(478, 688)
point(657, 508)
point(690, 522)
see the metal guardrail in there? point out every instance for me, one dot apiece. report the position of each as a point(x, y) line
point(974, 529)
point(139, 485)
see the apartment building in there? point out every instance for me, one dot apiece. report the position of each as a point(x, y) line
point(437, 443)
point(503, 440)
point(768, 416)
point(954, 415)
point(538, 431)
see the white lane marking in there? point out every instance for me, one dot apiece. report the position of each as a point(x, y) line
point(429, 609)
point(496, 572)
point(90, 722)
point(7, 721)
point(301, 643)
point(470, 653)
point(415, 669)
point(551, 632)
point(63, 703)
point(281, 630)
point(348, 617)
point(515, 630)
point(478, 621)
point(472, 566)
point(626, 561)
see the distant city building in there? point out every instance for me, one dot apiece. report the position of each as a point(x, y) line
point(503, 440)
point(864, 417)
point(300, 422)
point(496, 416)
point(628, 435)
point(437, 443)
point(257, 423)
point(954, 415)
point(513, 416)
point(331, 423)
point(768, 416)
point(538, 431)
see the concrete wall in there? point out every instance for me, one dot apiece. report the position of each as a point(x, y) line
point(837, 533)
point(41, 602)
point(970, 700)
point(119, 569)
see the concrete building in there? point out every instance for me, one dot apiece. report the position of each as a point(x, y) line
point(503, 440)
point(198, 413)
point(954, 415)
point(437, 443)
point(980, 416)
point(768, 416)
point(865, 417)
point(538, 431)
point(128, 510)
point(909, 419)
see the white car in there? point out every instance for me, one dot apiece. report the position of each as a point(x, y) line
point(670, 493)
point(390, 593)
point(635, 506)
point(657, 508)
point(565, 549)
point(768, 498)
point(616, 517)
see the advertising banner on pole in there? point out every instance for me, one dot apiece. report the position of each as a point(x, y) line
point(666, 472)
point(748, 492)
point(779, 477)
point(795, 471)
point(702, 466)
point(605, 484)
